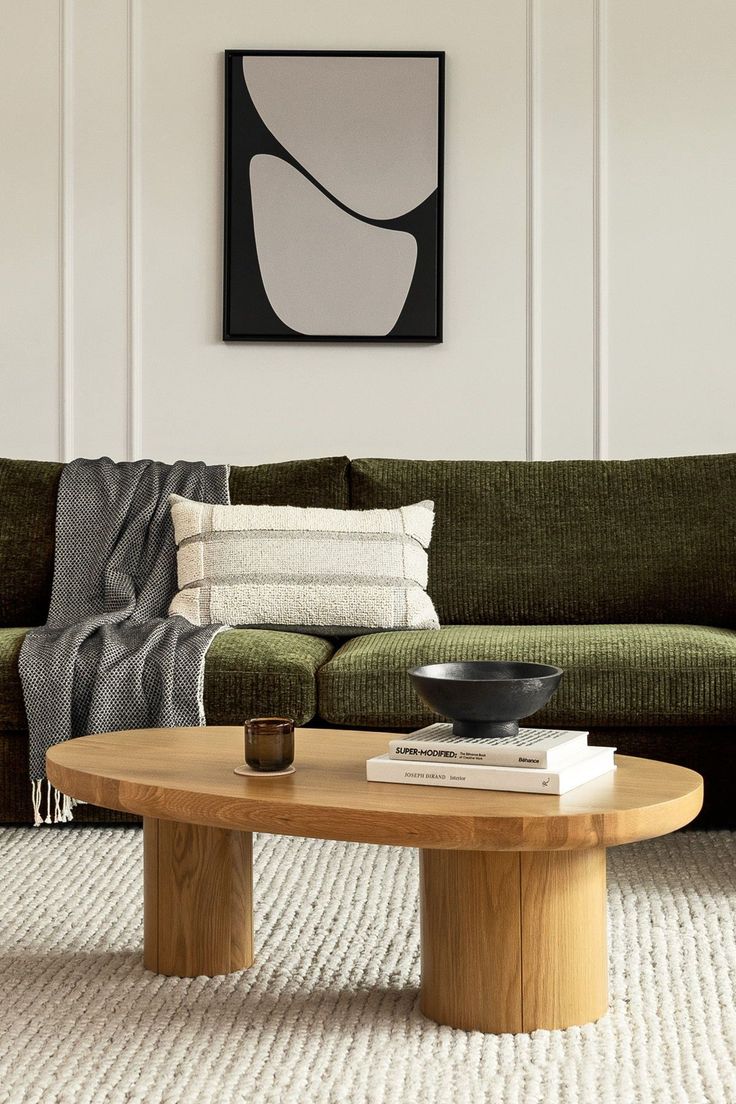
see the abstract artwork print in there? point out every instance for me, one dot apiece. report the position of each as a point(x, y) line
point(333, 196)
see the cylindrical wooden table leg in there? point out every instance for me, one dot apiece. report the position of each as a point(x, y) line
point(471, 952)
point(564, 941)
point(197, 899)
point(513, 941)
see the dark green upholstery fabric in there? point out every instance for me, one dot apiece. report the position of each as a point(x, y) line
point(322, 483)
point(27, 515)
point(635, 675)
point(12, 713)
point(28, 512)
point(248, 673)
point(15, 789)
point(573, 541)
point(256, 672)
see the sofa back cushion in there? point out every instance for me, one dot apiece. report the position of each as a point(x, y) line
point(27, 516)
point(322, 483)
point(571, 541)
point(28, 512)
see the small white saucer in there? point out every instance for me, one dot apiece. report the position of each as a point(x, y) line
point(250, 773)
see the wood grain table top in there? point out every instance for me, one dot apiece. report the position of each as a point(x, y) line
point(186, 775)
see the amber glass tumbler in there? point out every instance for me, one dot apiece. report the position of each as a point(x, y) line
point(269, 743)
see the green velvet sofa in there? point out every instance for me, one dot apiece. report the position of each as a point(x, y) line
point(621, 572)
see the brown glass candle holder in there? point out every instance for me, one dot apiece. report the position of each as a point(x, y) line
point(269, 744)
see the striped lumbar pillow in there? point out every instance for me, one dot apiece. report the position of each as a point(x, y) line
point(328, 571)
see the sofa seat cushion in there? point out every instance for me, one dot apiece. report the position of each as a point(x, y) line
point(248, 672)
point(257, 672)
point(614, 674)
point(12, 713)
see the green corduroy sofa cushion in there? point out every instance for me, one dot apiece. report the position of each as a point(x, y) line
point(28, 511)
point(27, 516)
point(12, 714)
point(248, 672)
point(257, 672)
point(638, 675)
point(322, 483)
point(571, 541)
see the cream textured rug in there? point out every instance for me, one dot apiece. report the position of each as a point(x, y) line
point(329, 1012)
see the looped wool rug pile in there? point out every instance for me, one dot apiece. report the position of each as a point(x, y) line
point(328, 1015)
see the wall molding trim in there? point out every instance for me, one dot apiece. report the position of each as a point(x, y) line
point(533, 366)
point(66, 232)
point(589, 230)
point(135, 368)
point(600, 234)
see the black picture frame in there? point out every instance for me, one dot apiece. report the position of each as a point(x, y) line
point(245, 301)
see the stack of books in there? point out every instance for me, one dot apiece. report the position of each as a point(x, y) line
point(537, 760)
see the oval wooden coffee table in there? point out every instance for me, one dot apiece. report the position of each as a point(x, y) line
point(513, 886)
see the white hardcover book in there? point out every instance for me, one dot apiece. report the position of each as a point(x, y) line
point(549, 748)
point(593, 763)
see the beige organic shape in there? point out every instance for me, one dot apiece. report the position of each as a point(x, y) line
point(324, 271)
point(364, 127)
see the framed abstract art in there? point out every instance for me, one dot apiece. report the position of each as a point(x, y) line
point(333, 196)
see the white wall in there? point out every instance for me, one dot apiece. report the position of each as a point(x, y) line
point(590, 238)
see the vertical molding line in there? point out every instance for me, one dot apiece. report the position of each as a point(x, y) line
point(66, 232)
point(134, 418)
point(600, 234)
point(533, 366)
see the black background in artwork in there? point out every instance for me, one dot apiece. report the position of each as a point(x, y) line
point(248, 314)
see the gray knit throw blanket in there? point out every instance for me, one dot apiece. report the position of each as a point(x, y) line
point(109, 658)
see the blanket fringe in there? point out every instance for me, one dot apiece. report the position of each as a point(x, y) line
point(59, 806)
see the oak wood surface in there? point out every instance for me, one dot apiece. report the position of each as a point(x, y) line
point(564, 947)
point(197, 899)
point(513, 942)
point(471, 946)
point(187, 775)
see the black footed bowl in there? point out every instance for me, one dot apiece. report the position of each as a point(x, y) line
point(486, 698)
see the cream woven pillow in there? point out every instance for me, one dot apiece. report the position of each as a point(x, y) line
point(329, 571)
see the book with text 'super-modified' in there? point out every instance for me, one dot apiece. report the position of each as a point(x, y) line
point(549, 748)
point(595, 761)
